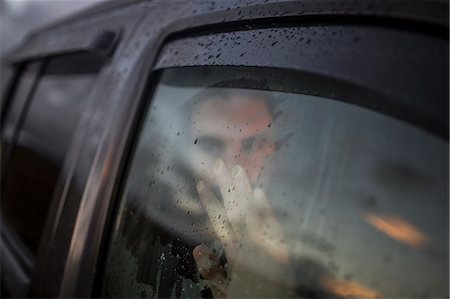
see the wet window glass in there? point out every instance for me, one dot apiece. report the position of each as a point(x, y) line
point(39, 135)
point(238, 188)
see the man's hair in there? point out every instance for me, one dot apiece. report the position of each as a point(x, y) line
point(243, 88)
point(237, 87)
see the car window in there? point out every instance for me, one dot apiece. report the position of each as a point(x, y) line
point(38, 135)
point(239, 188)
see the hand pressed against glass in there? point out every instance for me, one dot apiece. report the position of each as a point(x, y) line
point(234, 136)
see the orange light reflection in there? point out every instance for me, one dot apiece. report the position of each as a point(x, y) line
point(398, 229)
point(348, 289)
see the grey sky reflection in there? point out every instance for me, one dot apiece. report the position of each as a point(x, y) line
point(19, 17)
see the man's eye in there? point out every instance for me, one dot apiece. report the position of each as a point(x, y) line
point(210, 145)
point(263, 142)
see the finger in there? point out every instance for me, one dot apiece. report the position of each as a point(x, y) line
point(209, 267)
point(223, 180)
point(218, 286)
point(270, 242)
point(260, 203)
point(233, 195)
point(238, 198)
point(264, 229)
point(208, 262)
point(277, 249)
point(240, 181)
point(217, 293)
point(217, 216)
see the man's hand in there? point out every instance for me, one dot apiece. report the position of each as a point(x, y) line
point(251, 237)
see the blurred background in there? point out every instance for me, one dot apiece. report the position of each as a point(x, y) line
point(19, 17)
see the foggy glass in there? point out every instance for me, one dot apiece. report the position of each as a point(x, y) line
point(242, 192)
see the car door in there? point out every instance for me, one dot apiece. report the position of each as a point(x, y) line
point(44, 109)
point(37, 134)
point(351, 138)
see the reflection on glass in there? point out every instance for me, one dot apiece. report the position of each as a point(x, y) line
point(398, 229)
point(345, 289)
point(238, 191)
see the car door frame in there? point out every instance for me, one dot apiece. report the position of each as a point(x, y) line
point(124, 86)
point(201, 18)
point(43, 277)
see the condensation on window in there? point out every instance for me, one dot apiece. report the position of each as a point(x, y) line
point(124, 272)
point(238, 191)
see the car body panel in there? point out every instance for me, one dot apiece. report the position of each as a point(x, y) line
point(145, 31)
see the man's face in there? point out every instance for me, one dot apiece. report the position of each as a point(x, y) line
point(236, 130)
